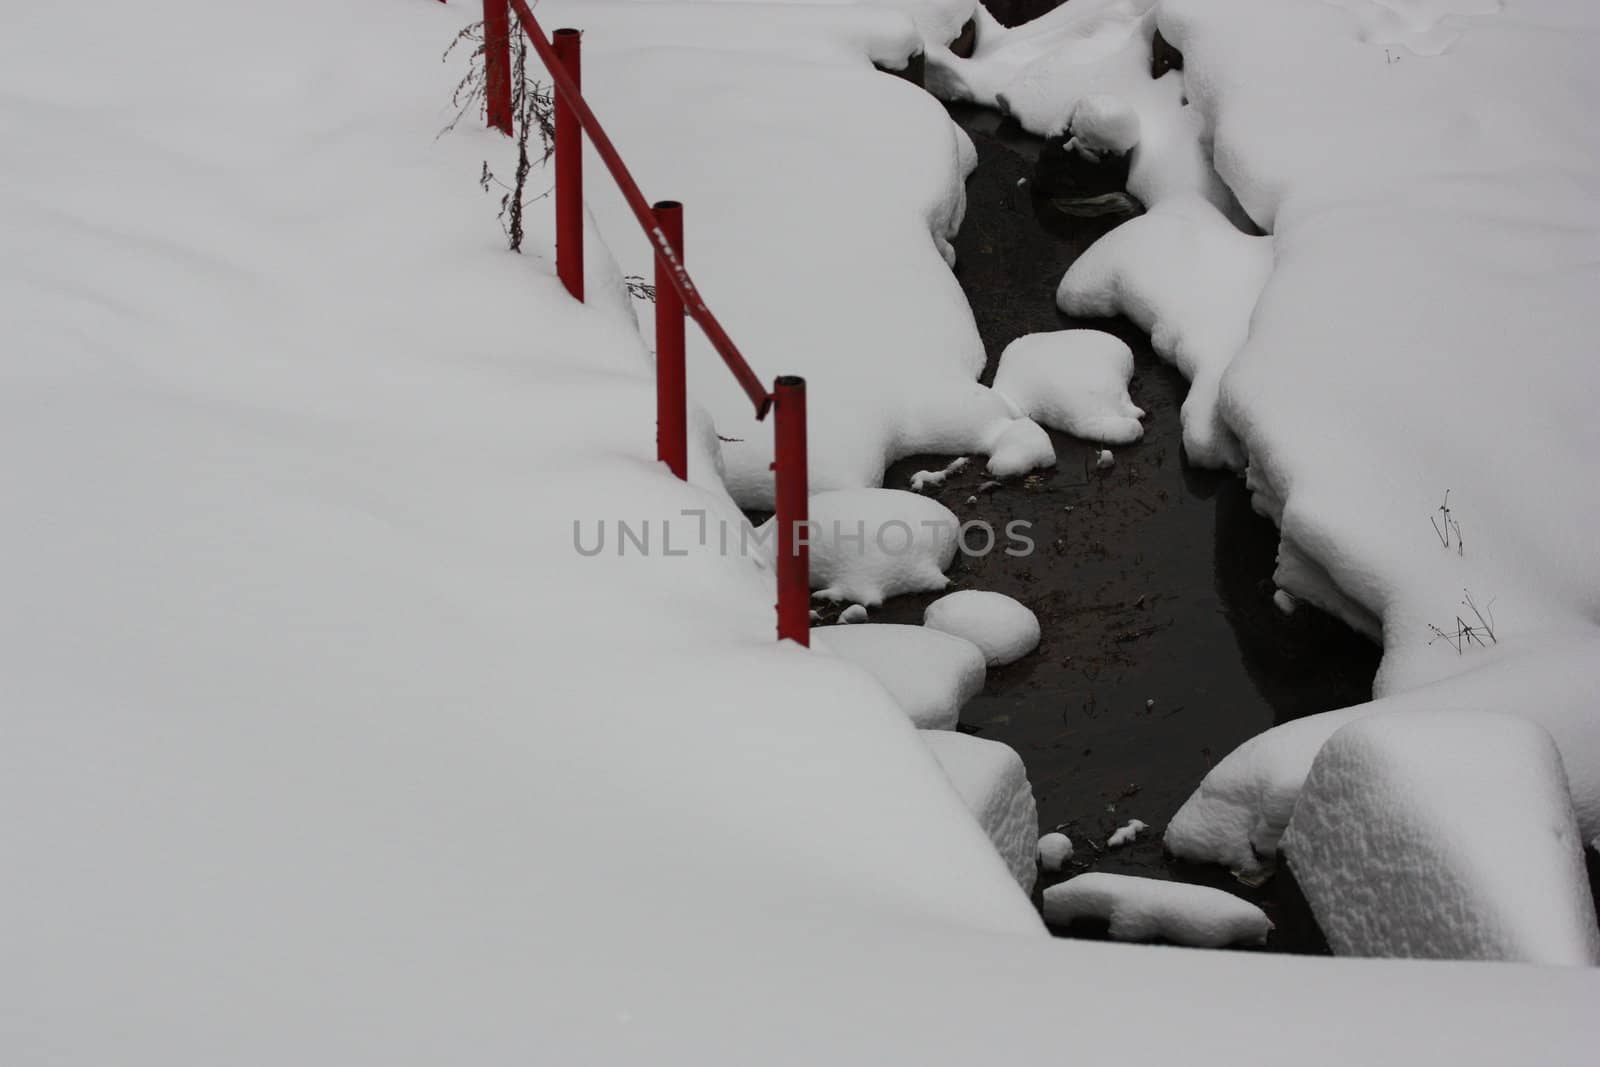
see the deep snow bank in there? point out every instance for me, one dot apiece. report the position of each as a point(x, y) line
point(1426, 328)
point(1475, 855)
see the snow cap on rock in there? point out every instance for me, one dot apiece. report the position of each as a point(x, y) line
point(1002, 627)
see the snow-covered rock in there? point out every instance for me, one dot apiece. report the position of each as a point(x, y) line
point(1073, 380)
point(990, 777)
point(1019, 446)
point(1126, 834)
point(869, 544)
point(999, 625)
point(1145, 909)
point(1055, 849)
point(930, 674)
point(1102, 124)
point(1238, 814)
point(1443, 835)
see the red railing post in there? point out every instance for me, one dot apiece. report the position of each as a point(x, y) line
point(497, 64)
point(791, 494)
point(569, 169)
point(672, 391)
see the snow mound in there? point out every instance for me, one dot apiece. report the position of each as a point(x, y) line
point(1103, 124)
point(782, 164)
point(1127, 833)
point(1002, 627)
point(1072, 380)
point(1038, 71)
point(1018, 447)
point(1055, 849)
point(1190, 279)
point(1147, 909)
point(1446, 836)
point(1243, 805)
point(930, 674)
point(990, 777)
point(869, 544)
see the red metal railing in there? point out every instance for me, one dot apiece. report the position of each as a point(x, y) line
point(676, 294)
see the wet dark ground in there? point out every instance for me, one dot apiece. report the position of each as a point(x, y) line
point(1162, 649)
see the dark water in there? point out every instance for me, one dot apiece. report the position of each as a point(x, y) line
point(1162, 649)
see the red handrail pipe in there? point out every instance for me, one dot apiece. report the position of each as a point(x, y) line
point(672, 388)
point(791, 510)
point(497, 64)
point(676, 296)
point(694, 305)
point(569, 166)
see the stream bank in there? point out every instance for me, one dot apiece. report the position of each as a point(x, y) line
point(1162, 648)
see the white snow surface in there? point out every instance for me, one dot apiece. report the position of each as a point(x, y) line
point(1144, 909)
point(931, 675)
point(1017, 447)
point(1126, 833)
point(992, 780)
point(320, 736)
point(840, 32)
point(1001, 626)
point(1073, 380)
point(871, 544)
point(1448, 201)
point(1444, 835)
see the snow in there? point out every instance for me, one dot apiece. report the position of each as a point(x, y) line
point(1145, 909)
point(931, 675)
point(1102, 124)
point(1002, 627)
point(1075, 381)
point(1104, 459)
point(1055, 849)
point(871, 544)
point(1474, 856)
point(1018, 447)
point(1243, 805)
point(320, 736)
point(990, 777)
point(1039, 70)
point(842, 33)
point(853, 614)
point(1187, 277)
point(1452, 220)
point(1126, 833)
point(853, 290)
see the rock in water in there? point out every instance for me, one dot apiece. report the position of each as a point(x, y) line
point(1444, 835)
point(1145, 909)
point(990, 777)
point(931, 675)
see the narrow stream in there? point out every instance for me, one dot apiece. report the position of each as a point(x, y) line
point(1162, 648)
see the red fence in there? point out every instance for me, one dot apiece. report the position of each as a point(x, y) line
point(676, 294)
